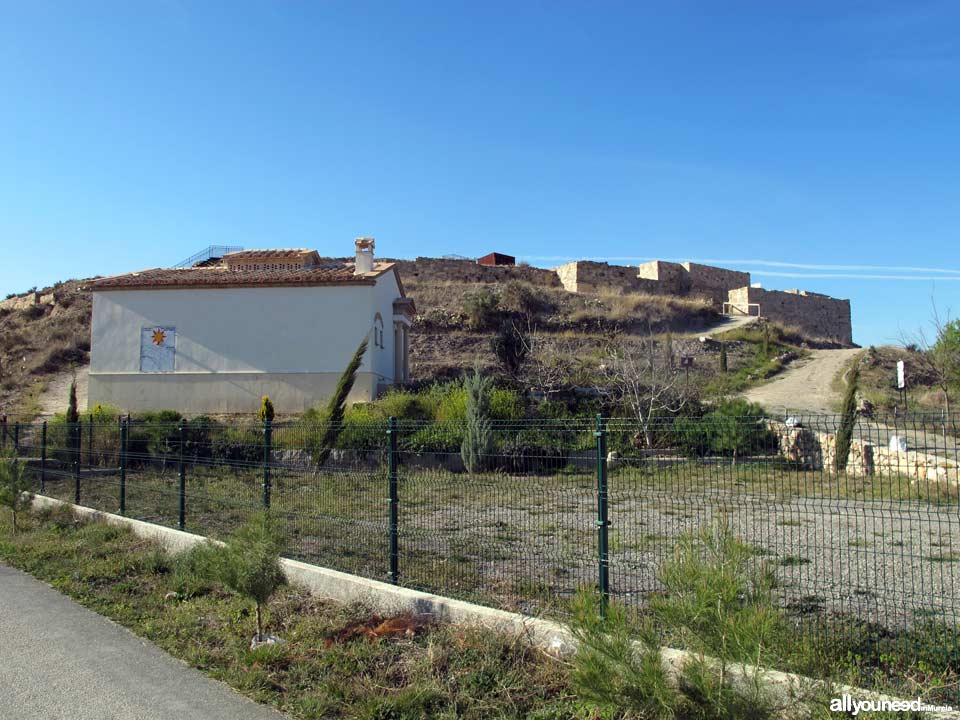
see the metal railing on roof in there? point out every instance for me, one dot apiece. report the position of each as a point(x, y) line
point(207, 253)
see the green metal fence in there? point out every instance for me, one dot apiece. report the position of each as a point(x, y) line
point(554, 506)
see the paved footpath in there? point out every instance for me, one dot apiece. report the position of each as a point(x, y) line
point(59, 660)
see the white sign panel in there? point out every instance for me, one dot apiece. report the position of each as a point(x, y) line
point(901, 375)
point(158, 347)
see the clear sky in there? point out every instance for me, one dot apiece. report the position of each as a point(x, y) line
point(821, 135)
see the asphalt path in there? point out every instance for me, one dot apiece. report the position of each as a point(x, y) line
point(59, 660)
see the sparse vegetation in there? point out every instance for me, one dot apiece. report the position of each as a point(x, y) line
point(343, 661)
point(15, 486)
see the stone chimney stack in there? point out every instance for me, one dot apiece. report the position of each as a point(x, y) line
point(364, 261)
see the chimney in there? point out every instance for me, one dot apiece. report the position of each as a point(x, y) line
point(364, 261)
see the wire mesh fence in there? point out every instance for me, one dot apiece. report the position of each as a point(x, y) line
point(542, 509)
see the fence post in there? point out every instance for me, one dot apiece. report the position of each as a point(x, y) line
point(43, 457)
point(603, 520)
point(182, 474)
point(123, 467)
point(267, 445)
point(77, 444)
point(90, 442)
point(16, 439)
point(393, 501)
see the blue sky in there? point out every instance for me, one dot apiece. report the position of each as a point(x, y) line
point(820, 134)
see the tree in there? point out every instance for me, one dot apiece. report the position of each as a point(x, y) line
point(14, 487)
point(249, 562)
point(336, 406)
point(645, 384)
point(736, 425)
point(477, 435)
point(939, 359)
point(510, 346)
point(723, 356)
point(848, 419)
point(73, 423)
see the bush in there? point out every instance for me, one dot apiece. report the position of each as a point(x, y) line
point(523, 298)
point(481, 309)
point(14, 487)
point(510, 345)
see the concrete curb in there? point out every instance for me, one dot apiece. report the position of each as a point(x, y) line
point(383, 597)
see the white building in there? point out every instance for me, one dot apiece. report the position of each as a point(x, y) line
point(216, 337)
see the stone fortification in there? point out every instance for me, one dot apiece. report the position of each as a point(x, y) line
point(426, 269)
point(815, 315)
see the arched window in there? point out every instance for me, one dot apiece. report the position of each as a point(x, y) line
point(378, 331)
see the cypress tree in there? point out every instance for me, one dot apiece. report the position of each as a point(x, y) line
point(477, 435)
point(848, 418)
point(723, 356)
point(333, 417)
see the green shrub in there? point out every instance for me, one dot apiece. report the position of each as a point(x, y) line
point(510, 345)
point(15, 487)
point(481, 309)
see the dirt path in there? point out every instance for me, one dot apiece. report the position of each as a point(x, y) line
point(805, 387)
point(54, 397)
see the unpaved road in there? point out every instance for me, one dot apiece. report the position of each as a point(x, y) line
point(55, 395)
point(804, 387)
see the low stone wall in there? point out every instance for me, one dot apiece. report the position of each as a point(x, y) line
point(814, 450)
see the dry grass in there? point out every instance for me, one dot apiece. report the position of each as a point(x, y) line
point(39, 342)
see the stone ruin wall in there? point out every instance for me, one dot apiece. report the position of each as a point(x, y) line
point(813, 450)
point(714, 283)
point(23, 302)
point(816, 315)
point(599, 277)
point(468, 271)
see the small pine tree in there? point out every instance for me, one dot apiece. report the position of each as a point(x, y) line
point(14, 488)
point(248, 563)
point(336, 407)
point(265, 414)
point(848, 419)
point(477, 435)
point(765, 343)
point(723, 356)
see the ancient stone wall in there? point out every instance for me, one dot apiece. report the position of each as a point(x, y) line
point(815, 315)
point(597, 277)
point(441, 269)
point(673, 278)
point(713, 282)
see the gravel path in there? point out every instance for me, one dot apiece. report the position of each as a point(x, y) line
point(804, 387)
point(59, 660)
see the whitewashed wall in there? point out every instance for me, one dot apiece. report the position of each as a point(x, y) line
point(231, 342)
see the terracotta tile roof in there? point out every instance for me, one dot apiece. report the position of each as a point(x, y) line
point(334, 273)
